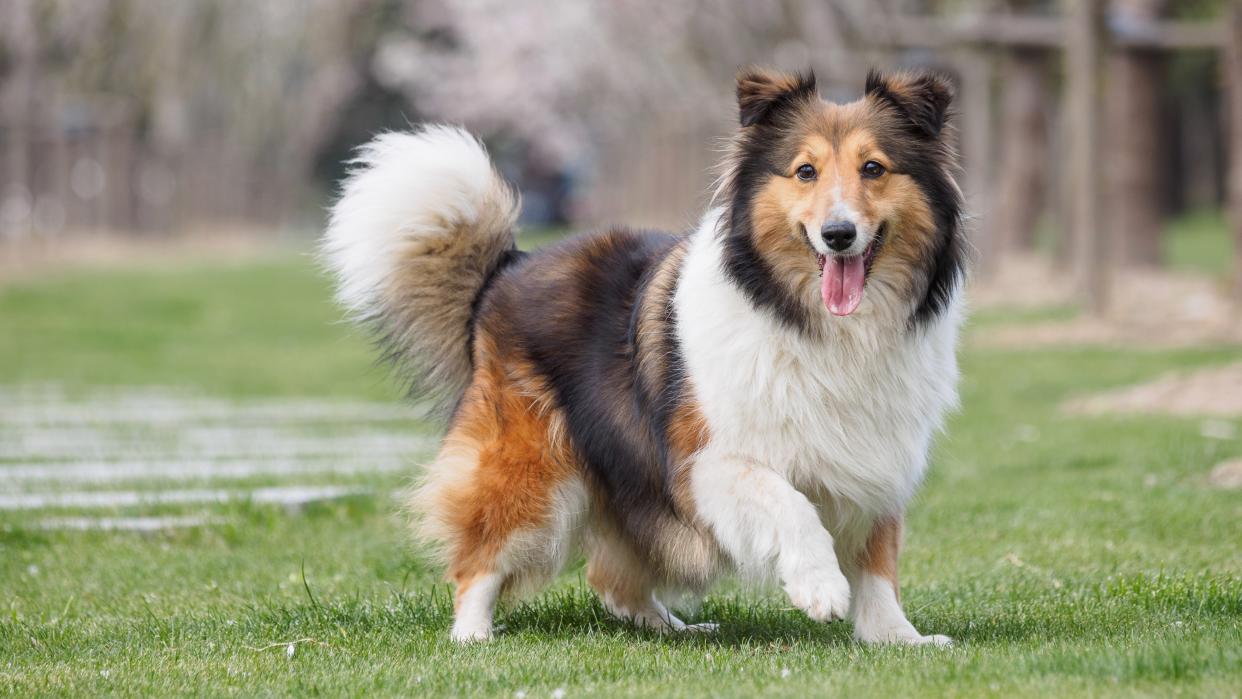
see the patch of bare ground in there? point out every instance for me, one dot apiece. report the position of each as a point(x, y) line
point(1147, 308)
point(1227, 475)
point(1021, 281)
point(1214, 392)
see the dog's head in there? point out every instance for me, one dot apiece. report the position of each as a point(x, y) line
point(838, 208)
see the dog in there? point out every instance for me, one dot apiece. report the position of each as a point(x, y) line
point(755, 396)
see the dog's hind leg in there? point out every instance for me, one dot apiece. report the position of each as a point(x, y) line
point(511, 560)
point(474, 606)
point(625, 585)
point(502, 501)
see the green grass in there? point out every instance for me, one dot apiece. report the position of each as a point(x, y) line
point(236, 329)
point(1198, 242)
point(1201, 242)
point(1066, 555)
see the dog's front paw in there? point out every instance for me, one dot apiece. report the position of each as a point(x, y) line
point(936, 639)
point(823, 593)
point(903, 635)
point(466, 633)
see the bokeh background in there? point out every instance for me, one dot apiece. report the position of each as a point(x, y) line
point(200, 462)
point(149, 121)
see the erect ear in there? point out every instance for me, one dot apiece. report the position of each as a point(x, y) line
point(922, 98)
point(762, 93)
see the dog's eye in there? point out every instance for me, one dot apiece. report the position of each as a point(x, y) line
point(806, 173)
point(871, 170)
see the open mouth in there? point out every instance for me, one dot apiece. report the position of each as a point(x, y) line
point(843, 278)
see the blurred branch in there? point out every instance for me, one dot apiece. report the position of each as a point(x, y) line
point(1018, 31)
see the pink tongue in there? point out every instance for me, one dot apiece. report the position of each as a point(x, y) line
point(843, 284)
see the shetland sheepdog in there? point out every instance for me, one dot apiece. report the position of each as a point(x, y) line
point(755, 396)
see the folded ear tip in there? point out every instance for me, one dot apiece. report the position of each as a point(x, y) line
point(875, 80)
point(922, 97)
point(758, 78)
point(759, 90)
point(939, 84)
point(746, 74)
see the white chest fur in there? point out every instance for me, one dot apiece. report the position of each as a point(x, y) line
point(849, 416)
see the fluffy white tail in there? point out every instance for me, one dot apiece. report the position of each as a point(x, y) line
point(423, 220)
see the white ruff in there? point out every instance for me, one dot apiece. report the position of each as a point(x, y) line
point(847, 419)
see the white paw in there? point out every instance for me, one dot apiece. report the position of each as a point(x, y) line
point(466, 633)
point(665, 622)
point(933, 640)
point(703, 627)
point(824, 593)
point(905, 637)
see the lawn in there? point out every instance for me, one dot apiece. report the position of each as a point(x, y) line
point(1066, 555)
point(1201, 242)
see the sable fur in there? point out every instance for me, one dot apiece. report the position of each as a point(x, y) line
point(675, 405)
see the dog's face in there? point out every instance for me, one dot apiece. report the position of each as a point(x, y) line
point(831, 204)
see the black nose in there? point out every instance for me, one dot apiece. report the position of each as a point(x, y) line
point(839, 236)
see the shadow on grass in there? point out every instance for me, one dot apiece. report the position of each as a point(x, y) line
point(578, 612)
point(1088, 609)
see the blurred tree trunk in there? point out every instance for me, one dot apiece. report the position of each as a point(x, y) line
point(1084, 45)
point(1132, 139)
point(1197, 118)
point(1024, 149)
point(975, 72)
point(1233, 72)
point(19, 80)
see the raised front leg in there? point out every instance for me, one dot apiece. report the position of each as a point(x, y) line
point(876, 608)
point(761, 520)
